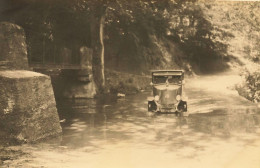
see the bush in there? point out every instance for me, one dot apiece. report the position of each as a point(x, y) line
point(250, 88)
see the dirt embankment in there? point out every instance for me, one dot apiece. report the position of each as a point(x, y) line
point(125, 83)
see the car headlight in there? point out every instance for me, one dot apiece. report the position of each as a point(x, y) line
point(178, 97)
point(156, 98)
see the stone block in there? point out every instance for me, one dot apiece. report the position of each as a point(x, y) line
point(86, 58)
point(13, 55)
point(27, 107)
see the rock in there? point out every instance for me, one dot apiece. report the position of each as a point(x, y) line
point(13, 47)
point(120, 95)
point(63, 120)
point(27, 107)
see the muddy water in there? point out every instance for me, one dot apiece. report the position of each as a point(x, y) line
point(118, 133)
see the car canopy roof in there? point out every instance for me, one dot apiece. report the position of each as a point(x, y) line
point(167, 72)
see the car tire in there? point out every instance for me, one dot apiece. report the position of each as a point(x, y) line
point(151, 106)
point(182, 106)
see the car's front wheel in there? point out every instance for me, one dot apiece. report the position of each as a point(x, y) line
point(152, 106)
point(182, 106)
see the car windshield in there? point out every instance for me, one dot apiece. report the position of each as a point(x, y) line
point(174, 79)
point(164, 79)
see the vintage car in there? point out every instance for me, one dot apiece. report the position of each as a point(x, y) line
point(168, 94)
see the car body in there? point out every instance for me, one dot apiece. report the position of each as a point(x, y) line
point(168, 93)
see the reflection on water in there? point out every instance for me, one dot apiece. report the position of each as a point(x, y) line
point(122, 128)
point(111, 120)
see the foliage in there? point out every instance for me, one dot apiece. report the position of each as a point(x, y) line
point(242, 19)
point(179, 23)
point(143, 32)
point(202, 40)
point(247, 19)
point(250, 88)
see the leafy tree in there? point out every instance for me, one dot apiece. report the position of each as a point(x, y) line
point(127, 29)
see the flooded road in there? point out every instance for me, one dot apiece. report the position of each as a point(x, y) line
point(120, 133)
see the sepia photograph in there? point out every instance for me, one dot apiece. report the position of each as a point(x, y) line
point(129, 83)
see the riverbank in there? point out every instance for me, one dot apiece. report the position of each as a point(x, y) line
point(126, 83)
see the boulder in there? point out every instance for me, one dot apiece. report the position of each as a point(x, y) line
point(27, 107)
point(13, 55)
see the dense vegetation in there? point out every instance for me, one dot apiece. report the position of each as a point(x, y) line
point(242, 19)
point(134, 36)
point(250, 87)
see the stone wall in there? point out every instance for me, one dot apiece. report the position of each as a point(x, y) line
point(27, 107)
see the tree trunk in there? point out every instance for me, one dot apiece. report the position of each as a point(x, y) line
point(97, 26)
